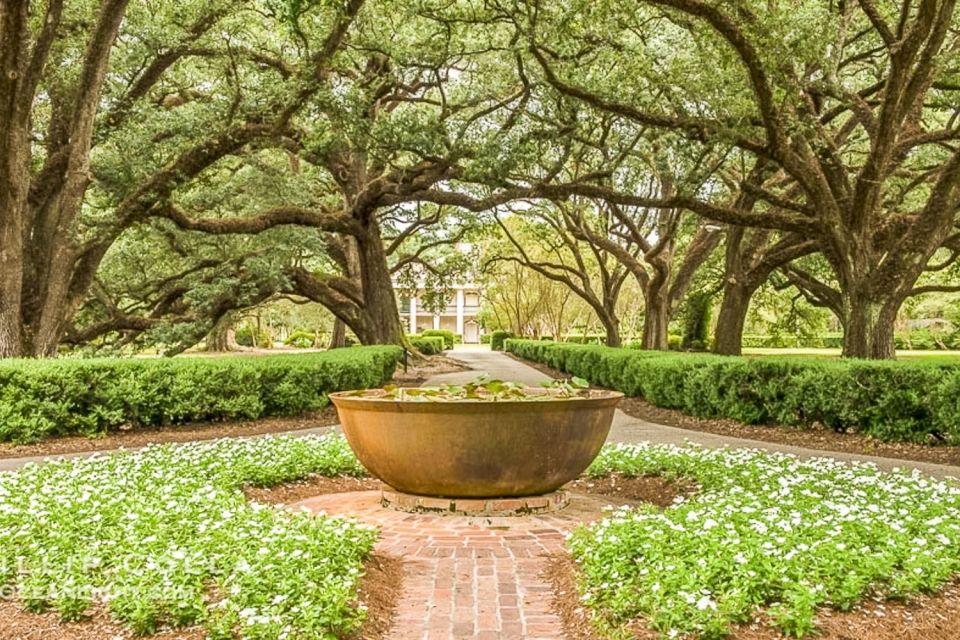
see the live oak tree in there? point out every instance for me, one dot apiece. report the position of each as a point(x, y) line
point(525, 303)
point(590, 272)
point(81, 81)
point(412, 106)
point(851, 104)
point(751, 256)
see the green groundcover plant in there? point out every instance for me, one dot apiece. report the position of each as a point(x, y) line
point(41, 398)
point(164, 536)
point(765, 531)
point(896, 401)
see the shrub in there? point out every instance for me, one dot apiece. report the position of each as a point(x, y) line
point(41, 398)
point(894, 401)
point(447, 335)
point(498, 338)
point(427, 345)
point(301, 339)
point(248, 336)
point(588, 338)
point(485, 338)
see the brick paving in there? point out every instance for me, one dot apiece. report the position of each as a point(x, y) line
point(468, 577)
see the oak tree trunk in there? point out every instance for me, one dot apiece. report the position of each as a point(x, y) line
point(732, 317)
point(222, 336)
point(611, 327)
point(338, 339)
point(656, 318)
point(381, 314)
point(868, 326)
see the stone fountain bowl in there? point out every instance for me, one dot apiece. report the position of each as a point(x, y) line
point(476, 448)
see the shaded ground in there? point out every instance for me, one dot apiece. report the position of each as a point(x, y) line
point(419, 372)
point(821, 439)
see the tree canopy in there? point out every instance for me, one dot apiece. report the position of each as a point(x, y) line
point(164, 165)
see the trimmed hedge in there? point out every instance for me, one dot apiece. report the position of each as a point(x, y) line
point(498, 340)
point(427, 345)
point(893, 401)
point(40, 398)
point(448, 338)
point(594, 338)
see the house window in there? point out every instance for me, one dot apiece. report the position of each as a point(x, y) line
point(472, 299)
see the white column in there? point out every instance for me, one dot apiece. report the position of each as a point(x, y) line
point(436, 321)
point(460, 311)
point(413, 314)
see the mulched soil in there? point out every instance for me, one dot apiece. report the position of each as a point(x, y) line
point(561, 572)
point(935, 617)
point(183, 433)
point(291, 492)
point(17, 624)
point(380, 591)
point(419, 371)
point(655, 490)
point(820, 438)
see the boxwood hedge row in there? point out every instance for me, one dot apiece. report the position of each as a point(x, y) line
point(41, 398)
point(893, 401)
point(427, 345)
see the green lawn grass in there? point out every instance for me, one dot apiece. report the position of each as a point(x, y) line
point(835, 353)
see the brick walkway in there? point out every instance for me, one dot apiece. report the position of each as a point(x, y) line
point(468, 577)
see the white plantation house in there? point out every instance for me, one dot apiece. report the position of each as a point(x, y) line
point(459, 315)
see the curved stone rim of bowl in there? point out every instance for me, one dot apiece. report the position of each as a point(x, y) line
point(598, 397)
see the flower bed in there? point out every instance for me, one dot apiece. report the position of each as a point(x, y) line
point(165, 536)
point(765, 532)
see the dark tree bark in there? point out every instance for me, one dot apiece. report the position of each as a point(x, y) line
point(658, 310)
point(338, 338)
point(221, 337)
point(752, 255)
point(379, 302)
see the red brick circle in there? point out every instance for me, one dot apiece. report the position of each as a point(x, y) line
point(524, 506)
point(468, 577)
